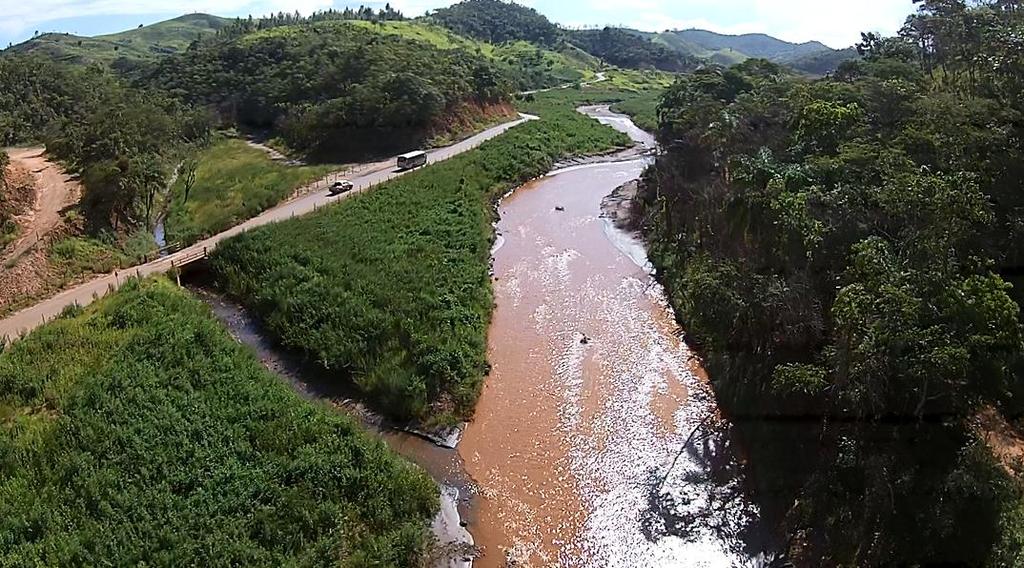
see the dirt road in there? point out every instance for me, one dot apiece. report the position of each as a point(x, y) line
point(363, 177)
point(55, 190)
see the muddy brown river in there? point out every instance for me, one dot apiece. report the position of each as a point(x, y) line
point(597, 440)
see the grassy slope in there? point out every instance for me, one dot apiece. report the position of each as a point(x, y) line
point(139, 432)
point(145, 43)
point(568, 64)
point(391, 288)
point(234, 182)
point(426, 32)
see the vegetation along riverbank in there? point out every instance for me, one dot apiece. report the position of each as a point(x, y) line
point(840, 250)
point(391, 288)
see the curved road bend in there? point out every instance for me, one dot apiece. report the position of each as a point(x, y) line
point(363, 178)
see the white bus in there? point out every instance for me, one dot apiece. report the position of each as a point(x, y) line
point(412, 160)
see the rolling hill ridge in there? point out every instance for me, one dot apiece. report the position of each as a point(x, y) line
point(470, 23)
point(145, 43)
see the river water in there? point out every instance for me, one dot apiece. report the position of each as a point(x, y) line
point(596, 441)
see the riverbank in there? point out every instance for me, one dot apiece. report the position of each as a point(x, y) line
point(454, 546)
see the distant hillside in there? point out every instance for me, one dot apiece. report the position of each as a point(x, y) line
point(810, 57)
point(625, 49)
point(140, 44)
point(534, 51)
point(526, 64)
point(753, 45)
point(499, 21)
point(823, 62)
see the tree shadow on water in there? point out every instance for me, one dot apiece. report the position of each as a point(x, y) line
point(703, 496)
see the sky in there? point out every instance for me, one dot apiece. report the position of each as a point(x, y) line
point(836, 23)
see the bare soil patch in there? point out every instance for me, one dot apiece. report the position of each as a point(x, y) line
point(1004, 439)
point(55, 191)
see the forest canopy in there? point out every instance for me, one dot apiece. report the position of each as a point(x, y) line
point(331, 87)
point(496, 21)
point(844, 249)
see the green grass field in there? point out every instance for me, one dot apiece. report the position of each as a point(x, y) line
point(234, 182)
point(137, 432)
point(421, 31)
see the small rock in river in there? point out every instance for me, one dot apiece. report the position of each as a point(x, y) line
point(585, 340)
point(559, 208)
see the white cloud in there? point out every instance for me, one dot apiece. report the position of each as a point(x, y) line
point(835, 22)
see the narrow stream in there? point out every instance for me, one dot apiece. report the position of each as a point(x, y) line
point(160, 235)
point(597, 440)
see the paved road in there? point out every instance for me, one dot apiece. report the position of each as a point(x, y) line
point(363, 178)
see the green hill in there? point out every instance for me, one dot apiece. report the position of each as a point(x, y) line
point(498, 22)
point(495, 21)
point(335, 88)
point(527, 64)
point(625, 48)
point(144, 43)
point(810, 57)
point(752, 45)
point(535, 51)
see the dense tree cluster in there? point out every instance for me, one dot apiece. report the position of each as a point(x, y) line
point(497, 21)
point(841, 249)
point(625, 48)
point(331, 88)
point(121, 140)
point(242, 26)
